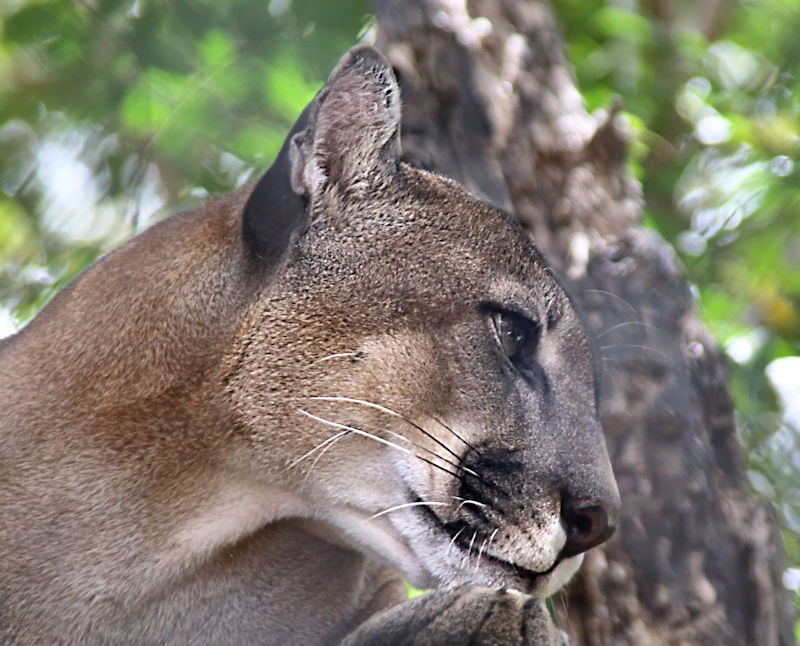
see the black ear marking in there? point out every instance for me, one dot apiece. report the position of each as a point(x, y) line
point(275, 212)
point(347, 134)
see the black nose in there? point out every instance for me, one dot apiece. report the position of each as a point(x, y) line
point(586, 526)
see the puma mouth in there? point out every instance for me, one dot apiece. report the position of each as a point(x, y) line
point(469, 540)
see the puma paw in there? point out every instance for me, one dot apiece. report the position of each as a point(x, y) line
point(462, 616)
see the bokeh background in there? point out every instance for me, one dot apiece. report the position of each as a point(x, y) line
point(114, 114)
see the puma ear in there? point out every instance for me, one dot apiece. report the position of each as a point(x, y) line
point(274, 212)
point(355, 129)
point(349, 130)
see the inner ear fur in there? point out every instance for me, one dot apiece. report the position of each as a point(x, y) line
point(343, 137)
point(356, 126)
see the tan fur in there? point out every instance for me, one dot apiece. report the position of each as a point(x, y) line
point(170, 470)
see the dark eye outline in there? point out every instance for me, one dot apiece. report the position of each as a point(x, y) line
point(517, 336)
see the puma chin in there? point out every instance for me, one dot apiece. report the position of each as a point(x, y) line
point(430, 554)
point(251, 422)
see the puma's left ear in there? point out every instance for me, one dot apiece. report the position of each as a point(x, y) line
point(274, 212)
point(355, 130)
point(349, 131)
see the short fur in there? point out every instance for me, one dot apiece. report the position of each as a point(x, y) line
point(204, 436)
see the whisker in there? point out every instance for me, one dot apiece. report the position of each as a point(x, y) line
point(480, 552)
point(357, 431)
point(389, 411)
point(363, 433)
point(446, 427)
point(457, 476)
point(632, 346)
point(319, 446)
point(458, 467)
point(491, 485)
point(464, 501)
point(334, 356)
point(337, 437)
point(403, 506)
point(649, 326)
point(453, 540)
point(471, 543)
point(613, 295)
point(491, 538)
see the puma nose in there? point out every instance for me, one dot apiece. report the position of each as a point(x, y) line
point(586, 526)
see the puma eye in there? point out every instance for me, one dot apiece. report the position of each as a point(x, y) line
point(517, 336)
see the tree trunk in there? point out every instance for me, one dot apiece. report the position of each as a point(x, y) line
point(489, 100)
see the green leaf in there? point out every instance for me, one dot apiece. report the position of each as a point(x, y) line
point(614, 21)
point(286, 89)
point(413, 592)
point(151, 104)
point(40, 21)
point(216, 49)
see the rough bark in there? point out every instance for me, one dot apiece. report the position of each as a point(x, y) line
point(489, 99)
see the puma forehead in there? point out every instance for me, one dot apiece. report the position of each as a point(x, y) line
point(251, 422)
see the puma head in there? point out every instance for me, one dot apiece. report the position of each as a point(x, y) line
point(410, 368)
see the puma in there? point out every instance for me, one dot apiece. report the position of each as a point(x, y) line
point(251, 423)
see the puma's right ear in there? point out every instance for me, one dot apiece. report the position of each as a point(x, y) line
point(349, 131)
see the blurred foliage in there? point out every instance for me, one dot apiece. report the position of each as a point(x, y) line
point(712, 90)
point(111, 110)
